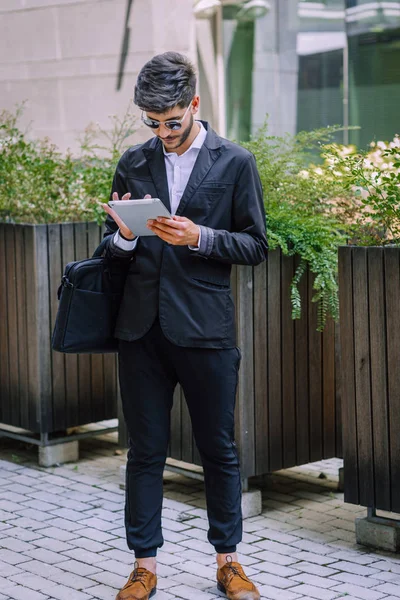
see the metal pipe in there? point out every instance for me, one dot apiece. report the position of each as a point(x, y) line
point(45, 441)
point(220, 72)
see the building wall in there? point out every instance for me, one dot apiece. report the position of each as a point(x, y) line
point(76, 61)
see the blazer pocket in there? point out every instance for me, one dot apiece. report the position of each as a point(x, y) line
point(212, 285)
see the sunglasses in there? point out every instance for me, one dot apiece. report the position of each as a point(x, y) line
point(173, 125)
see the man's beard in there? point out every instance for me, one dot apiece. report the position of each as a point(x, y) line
point(181, 139)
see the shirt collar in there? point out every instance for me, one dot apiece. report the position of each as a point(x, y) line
point(197, 142)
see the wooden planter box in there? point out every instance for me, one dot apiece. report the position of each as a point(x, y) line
point(369, 282)
point(288, 408)
point(288, 403)
point(40, 390)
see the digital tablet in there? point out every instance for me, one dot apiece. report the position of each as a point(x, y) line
point(135, 213)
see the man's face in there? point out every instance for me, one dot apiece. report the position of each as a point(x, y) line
point(172, 140)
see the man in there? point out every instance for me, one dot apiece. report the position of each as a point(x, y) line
point(176, 321)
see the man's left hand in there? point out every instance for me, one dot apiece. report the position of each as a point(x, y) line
point(178, 231)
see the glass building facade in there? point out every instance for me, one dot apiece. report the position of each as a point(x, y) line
point(310, 64)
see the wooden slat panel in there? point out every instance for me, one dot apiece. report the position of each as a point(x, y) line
point(288, 367)
point(21, 299)
point(175, 444)
point(84, 360)
point(316, 397)
point(392, 289)
point(71, 360)
point(245, 409)
point(302, 385)
point(378, 383)
point(260, 369)
point(31, 319)
point(5, 406)
point(97, 370)
point(110, 386)
point(12, 327)
point(274, 361)
point(56, 269)
point(41, 276)
point(329, 392)
point(186, 431)
point(363, 377)
point(350, 446)
point(338, 393)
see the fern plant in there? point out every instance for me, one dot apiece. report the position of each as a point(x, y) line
point(301, 211)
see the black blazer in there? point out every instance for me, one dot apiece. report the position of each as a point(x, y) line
point(189, 291)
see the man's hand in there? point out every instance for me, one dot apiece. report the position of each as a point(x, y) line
point(125, 231)
point(178, 231)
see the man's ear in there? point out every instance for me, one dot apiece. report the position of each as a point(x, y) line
point(196, 104)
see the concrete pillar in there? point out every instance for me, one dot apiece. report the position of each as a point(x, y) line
point(58, 454)
point(378, 532)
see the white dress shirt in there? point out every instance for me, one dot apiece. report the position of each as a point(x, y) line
point(179, 169)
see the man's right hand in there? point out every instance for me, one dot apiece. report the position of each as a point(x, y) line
point(124, 229)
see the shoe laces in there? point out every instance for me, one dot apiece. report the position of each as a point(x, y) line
point(231, 570)
point(139, 574)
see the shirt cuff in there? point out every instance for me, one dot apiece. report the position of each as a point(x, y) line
point(127, 245)
point(206, 242)
point(197, 248)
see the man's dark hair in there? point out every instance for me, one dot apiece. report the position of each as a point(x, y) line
point(167, 80)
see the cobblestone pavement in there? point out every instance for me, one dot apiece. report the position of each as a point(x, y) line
point(62, 535)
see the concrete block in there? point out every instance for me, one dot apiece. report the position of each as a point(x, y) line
point(251, 503)
point(377, 532)
point(58, 454)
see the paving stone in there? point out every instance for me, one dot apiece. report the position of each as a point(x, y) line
point(359, 592)
point(11, 557)
point(388, 588)
point(269, 593)
point(34, 582)
point(20, 592)
point(311, 557)
point(94, 534)
point(354, 568)
point(40, 568)
point(191, 580)
point(62, 592)
point(77, 582)
point(69, 515)
point(44, 555)
point(357, 579)
point(102, 591)
point(315, 580)
point(84, 556)
point(14, 544)
point(110, 579)
point(316, 569)
point(274, 580)
point(79, 568)
point(190, 593)
point(274, 557)
point(8, 570)
point(311, 591)
point(63, 524)
point(53, 545)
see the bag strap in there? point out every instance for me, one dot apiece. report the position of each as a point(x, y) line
point(103, 246)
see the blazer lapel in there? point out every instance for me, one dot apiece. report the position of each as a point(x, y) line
point(205, 160)
point(155, 160)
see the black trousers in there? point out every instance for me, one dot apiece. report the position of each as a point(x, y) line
point(149, 370)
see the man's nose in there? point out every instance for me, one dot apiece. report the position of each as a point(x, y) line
point(163, 132)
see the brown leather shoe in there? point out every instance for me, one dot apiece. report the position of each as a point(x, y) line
point(232, 580)
point(141, 585)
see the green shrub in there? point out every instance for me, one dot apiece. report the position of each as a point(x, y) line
point(39, 184)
